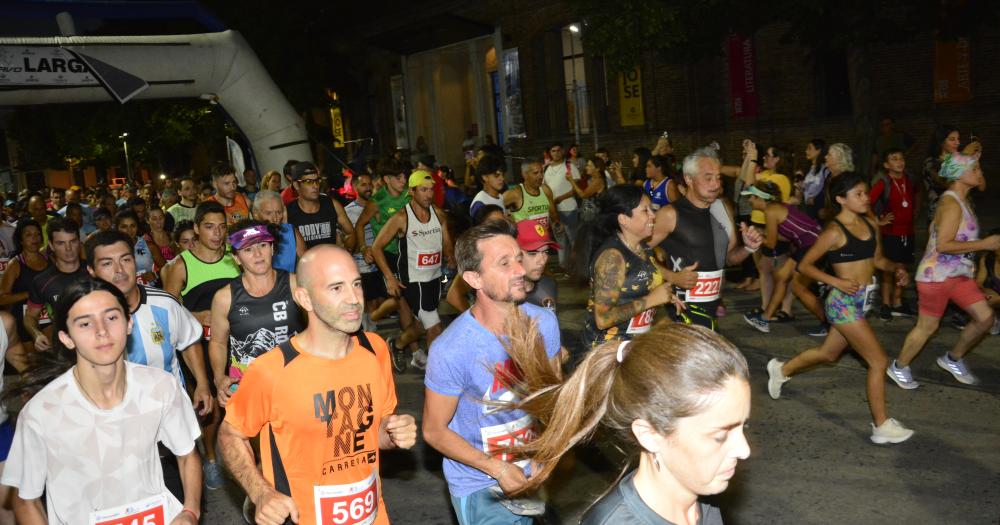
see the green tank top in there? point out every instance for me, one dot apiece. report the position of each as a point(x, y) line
point(387, 207)
point(533, 207)
point(204, 279)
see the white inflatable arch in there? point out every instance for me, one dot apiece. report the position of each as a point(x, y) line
point(218, 67)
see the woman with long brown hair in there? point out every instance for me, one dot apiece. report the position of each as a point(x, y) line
point(678, 396)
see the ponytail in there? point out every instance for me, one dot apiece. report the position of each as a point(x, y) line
point(661, 376)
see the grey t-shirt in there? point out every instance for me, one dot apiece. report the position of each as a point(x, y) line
point(623, 505)
point(544, 293)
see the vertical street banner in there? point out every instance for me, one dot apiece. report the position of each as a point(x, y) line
point(630, 97)
point(952, 75)
point(742, 76)
point(337, 127)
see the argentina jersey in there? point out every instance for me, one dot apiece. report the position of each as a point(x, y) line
point(161, 327)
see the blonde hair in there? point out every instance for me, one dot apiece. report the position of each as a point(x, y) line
point(267, 178)
point(844, 154)
point(664, 375)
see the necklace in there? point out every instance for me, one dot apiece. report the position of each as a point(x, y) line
point(902, 190)
point(79, 385)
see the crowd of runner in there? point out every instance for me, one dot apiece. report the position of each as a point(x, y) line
point(182, 335)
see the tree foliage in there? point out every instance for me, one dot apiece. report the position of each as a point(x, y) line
point(160, 133)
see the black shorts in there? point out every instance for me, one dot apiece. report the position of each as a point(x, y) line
point(424, 296)
point(781, 248)
point(373, 285)
point(898, 249)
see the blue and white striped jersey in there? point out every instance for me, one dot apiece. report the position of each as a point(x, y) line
point(161, 327)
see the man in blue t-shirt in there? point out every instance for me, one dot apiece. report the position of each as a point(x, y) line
point(464, 373)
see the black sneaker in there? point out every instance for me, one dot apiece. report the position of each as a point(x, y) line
point(399, 357)
point(958, 321)
point(904, 310)
point(885, 313)
point(820, 331)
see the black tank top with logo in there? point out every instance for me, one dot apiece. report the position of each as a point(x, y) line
point(639, 280)
point(316, 228)
point(697, 237)
point(258, 324)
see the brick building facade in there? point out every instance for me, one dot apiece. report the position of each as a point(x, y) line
point(799, 98)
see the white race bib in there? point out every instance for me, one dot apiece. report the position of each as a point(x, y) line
point(150, 511)
point(642, 322)
point(707, 289)
point(348, 504)
point(871, 295)
point(497, 438)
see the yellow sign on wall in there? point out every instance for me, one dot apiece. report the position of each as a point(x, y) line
point(337, 125)
point(630, 97)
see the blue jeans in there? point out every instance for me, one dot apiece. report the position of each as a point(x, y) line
point(482, 508)
point(570, 221)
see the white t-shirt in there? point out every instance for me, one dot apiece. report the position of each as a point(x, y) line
point(353, 211)
point(482, 198)
point(555, 179)
point(88, 459)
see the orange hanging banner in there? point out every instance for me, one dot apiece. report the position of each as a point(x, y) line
point(952, 71)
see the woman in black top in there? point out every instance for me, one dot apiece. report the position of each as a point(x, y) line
point(850, 242)
point(678, 396)
point(29, 260)
point(627, 286)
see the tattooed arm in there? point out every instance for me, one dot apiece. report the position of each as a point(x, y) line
point(609, 275)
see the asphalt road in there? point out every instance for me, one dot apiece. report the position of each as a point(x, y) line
point(811, 460)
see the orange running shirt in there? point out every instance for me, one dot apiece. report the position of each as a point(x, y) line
point(237, 211)
point(323, 417)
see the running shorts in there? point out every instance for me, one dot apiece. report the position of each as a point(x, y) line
point(932, 298)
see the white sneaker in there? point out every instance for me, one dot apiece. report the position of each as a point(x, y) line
point(995, 329)
point(957, 369)
point(775, 378)
point(901, 376)
point(419, 360)
point(890, 431)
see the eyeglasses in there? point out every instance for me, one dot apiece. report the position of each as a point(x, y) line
point(313, 182)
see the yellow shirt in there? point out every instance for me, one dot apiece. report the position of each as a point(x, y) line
point(757, 216)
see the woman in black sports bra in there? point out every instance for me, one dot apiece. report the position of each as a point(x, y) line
point(852, 246)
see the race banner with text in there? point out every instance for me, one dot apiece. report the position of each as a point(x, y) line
point(42, 66)
point(630, 97)
point(952, 75)
point(742, 76)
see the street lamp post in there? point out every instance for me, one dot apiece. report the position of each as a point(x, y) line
point(128, 164)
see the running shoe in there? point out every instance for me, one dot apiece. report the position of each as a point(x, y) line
point(901, 376)
point(775, 378)
point(885, 312)
point(957, 369)
point(398, 357)
point(958, 321)
point(419, 360)
point(213, 475)
point(757, 321)
point(890, 431)
point(904, 310)
point(820, 331)
point(995, 329)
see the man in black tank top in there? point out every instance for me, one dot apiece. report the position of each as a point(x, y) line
point(315, 214)
point(696, 242)
point(254, 312)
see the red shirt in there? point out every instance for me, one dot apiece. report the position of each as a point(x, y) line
point(901, 191)
point(289, 195)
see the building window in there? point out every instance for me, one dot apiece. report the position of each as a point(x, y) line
point(575, 73)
